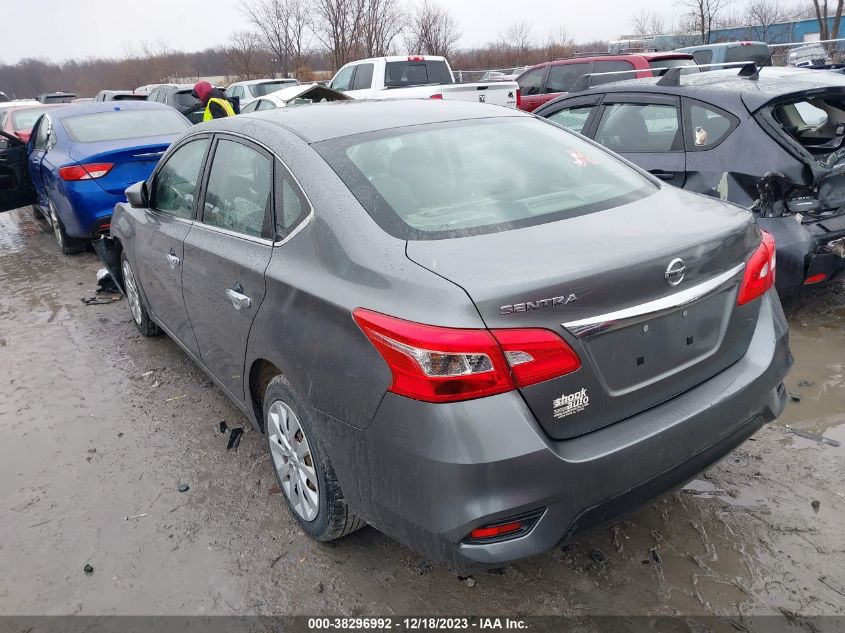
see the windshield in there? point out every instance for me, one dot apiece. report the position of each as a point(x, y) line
point(688, 65)
point(260, 90)
point(124, 124)
point(23, 120)
point(416, 73)
point(478, 176)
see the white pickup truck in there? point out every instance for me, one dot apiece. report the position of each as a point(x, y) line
point(417, 77)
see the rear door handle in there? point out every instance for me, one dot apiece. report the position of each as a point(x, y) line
point(662, 175)
point(238, 299)
point(173, 260)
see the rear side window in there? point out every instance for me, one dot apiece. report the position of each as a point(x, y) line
point(293, 208)
point(123, 124)
point(237, 197)
point(175, 184)
point(707, 127)
point(416, 73)
point(468, 177)
point(758, 53)
point(688, 65)
point(185, 99)
point(573, 118)
point(638, 127)
point(703, 56)
point(562, 76)
point(532, 82)
point(265, 104)
point(363, 77)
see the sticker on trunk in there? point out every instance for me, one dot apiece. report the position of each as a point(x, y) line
point(571, 403)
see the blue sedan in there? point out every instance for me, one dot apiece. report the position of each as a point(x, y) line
point(79, 161)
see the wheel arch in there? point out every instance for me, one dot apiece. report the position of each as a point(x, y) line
point(261, 372)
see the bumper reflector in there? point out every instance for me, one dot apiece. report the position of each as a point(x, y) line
point(505, 529)
point(814, 279)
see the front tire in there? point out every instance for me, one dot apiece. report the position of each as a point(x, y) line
point(69, 245)
point(302, 466)
point(137, 308)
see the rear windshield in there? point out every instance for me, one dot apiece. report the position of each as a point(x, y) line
point(23, 120)
point(259, 90)
point(758, 53)
point(689, 65)
point(123, 124)
point(129, 97)
point(185, 99)
point(65, 98)
point(479, 176)
point(408, 73)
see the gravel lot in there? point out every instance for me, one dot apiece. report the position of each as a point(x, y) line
point(100, 424)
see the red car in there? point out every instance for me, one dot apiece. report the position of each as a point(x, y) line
point(548, 80)
point(18, 120)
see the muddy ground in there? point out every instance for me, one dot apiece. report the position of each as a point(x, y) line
point(99, 424)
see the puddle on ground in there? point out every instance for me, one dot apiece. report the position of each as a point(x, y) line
point(742, 498)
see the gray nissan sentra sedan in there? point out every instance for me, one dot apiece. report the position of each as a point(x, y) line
point(464, 325)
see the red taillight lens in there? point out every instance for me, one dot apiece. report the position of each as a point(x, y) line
point(536, 355)
point(416, 58)
point(759, 273)
point(814, 279)
point(518, 99)
point(436, 96)
point(437, 364)
point(85, 172)
point(496, 530)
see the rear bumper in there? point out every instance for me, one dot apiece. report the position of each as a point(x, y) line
point(85, 208)
point(427, 474)
point(803, 250)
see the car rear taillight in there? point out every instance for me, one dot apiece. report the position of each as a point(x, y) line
point(90, 171)
point(518, 99)
point(436, 96)
point(759, 273)
point(438, 364)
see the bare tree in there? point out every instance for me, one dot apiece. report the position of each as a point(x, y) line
point(703, 15)
point(244, 59)
point(337, 27)
point(383, 21)
point(648, 23)
point(283, 26)
point(761, 15)
point(433, 30)
point(822, 12)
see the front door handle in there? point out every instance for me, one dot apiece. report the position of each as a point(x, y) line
point(173, 260)
point(238, 299)
point(663, 175)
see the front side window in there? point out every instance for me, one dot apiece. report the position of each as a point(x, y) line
point(237, 197)
point(468, 177)
point(343, 78)
point(532, 82)
point(639, 127)
point(573, 118)
point(175, 184)
point(562, 76)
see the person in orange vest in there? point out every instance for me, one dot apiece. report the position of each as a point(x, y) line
point(216, 104)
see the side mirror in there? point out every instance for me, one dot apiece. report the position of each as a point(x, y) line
point(137, 195)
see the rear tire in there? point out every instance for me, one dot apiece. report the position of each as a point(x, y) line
point(69, 245)
point(302, 466)
point(140, 316)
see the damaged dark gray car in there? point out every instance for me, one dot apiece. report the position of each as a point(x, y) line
point(770, 139)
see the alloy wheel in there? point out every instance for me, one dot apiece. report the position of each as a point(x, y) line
point(293, 460)
point(132, 292)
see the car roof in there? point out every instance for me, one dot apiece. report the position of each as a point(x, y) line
point(255, 82)
point(323, 121)
point(612, 58)
point(728, 87)
point(93, 107)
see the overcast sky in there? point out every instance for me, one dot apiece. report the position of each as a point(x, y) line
point(59, 29)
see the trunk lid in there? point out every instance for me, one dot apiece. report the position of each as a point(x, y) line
point(133, 160)
point(563, 273)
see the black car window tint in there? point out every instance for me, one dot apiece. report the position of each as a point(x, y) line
point(562, 76)
point(612, 66)
point(638, 127)
point(237, 197)
point(363, 77)
point(532, 82)
point(703, 57)
point(572, 118)
point(175, 185)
